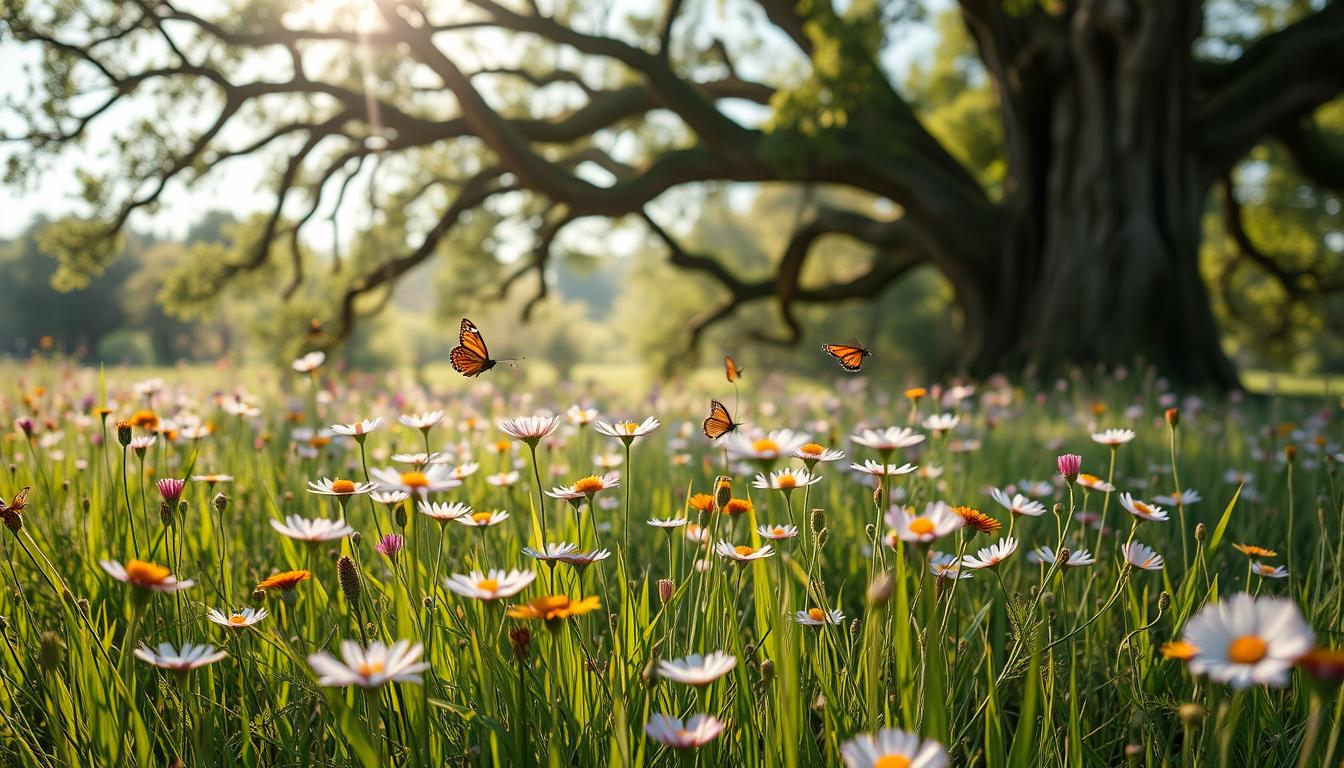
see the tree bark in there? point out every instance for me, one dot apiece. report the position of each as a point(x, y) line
point(1099, 258)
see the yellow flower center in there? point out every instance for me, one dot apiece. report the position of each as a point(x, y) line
point(745, 551)
point(342, 486)
point(320, 441)
point(922, 526)
point(140, 572)
point(487, 585)
point(237, 620)
point(502, 446)
point(892, 761)
point(1142, 508)
point(1087, 479)
point(816, 614)
point(370, 668)
point(788, 481)
point(414, 480)
point(626, 427)
point(1247, 649)
point(1176, 496)
point(812, 449)
point(480, 518)
point(589, 485)
point(765, 445)
point(778, 531)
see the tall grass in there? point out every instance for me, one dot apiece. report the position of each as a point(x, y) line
point(1022, 664)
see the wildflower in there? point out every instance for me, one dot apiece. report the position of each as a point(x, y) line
point(502, 479)
point(170, 489)
point(742, 553)
point(1178, 650)
point(1143, 511)
point(889, 439)
point(765, 448)
point(188, 658)
point(915, 394)
point(1324, 664)
point(737, 507)
point(551, 552)
point(697, 669)
point(585, 559)
point(554, 608)
point(816, 617)
point(1069, 464)
point(1094, 483)
point(675, 522)
point(312, 531)
point(483, 519)
point(937, 520)
point(811, 453)
point(421, 421)
point(494, 585)
point(1018, 504)
point(942, 423)
point(285, 581)
point(786, 480)
point(529, 429)
point(145, 419)
point(12, 513)
point(443, 512)
point(237, 619)
point(309, 362)
point(390, 545)
point(347, 574)
point(697, 533)
point(212, 479)
point(1267, 571)
point(390, 498)
point(1252, 551)
point(946, 566)
point(1238, 478)
point(370, 667)
point(1180, 498)
point(777, 532)
point(992, 555)
point(586, 487)
point(148, 576)
point(463, 471)
point(1113, 437)
point(358, 429)
point(891, 748)
point(339, 487)
point(433, 479)
point(627, 431)
point(1244, 640)
point(1048, 556)
point(670, 731)
point(581, 417)
point(878, 469)
point(977, 520)
point(1141, 556)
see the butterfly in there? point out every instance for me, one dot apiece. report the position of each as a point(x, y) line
point(470, 357)
point(730, 365)
point(850, 357)
point(719, 422)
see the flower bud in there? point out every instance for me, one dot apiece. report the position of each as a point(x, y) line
point(723, 491)
point(1173, 416)
point(1290, 453)
point(124, 433)
point(880, 589)
point(666, 588)
point(50, 651)
point(1163, 600)
point(1192, 714)
point(221, 503)
point(818, 520)
point(1201, 532)
point(348, 574)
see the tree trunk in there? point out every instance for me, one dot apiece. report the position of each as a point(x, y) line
point(1099, 257)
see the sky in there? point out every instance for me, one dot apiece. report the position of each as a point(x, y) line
point(240, 185)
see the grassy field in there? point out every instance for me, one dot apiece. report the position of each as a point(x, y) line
point(916, 621)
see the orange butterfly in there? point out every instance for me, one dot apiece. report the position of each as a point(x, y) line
point(734, 373)
point(719, 422)
point(850, 357)
point(470, 357)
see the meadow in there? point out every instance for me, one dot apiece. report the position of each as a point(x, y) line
point(324, 567)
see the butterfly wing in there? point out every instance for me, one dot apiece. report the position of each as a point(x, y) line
point(850, 357)
point(719, 422)
point(470, 357)
point(731, 370)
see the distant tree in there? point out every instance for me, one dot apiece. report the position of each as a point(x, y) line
point(1078, 241)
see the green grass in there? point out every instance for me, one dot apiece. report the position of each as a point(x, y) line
point(1020, 665)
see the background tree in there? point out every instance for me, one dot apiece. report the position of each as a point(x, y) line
point(1071, 230)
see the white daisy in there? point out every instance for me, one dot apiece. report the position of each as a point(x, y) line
point(369, 667)
point(309, 362)
point(581, 417)
point(1142, 510)
point(421, 421)
point(696, 731)
point(811, 453)
point(878, 469)
point(786, 480)
point(891, 748)
point(889, 439)
point(1179, 498)
point(674, 522)
point(945, 566)
point(442, 511)
point(1047, 556)
point(1113, 437)
point(338, 487)
point(357, 429)
point(529, 429)
point(777, 532)
point(1141, 556)
point(189, 657)
point(237, 619)
point(1018, 504)
point(1267, 571)
point(990, 556)
point(1242, 640)
point(764, 447)
point(145, 575)
point(937, 520)
point(742, 553)
point(696, 669)
point(492, 586)
point(552, 552)
point(502, 479)
point(432, 479)
point(312, 531)
point(483, 519)
point(627, 431)
point(816, 617)
point(941, 422)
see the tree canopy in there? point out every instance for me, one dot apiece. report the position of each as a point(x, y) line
point(1054, 163)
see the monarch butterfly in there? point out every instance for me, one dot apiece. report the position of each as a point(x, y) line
point(850, 357)
point(730, 365)
point(719, 422)
point(470, 357)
